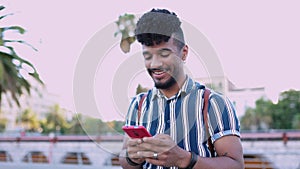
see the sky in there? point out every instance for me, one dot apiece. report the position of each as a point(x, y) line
point(256, 42)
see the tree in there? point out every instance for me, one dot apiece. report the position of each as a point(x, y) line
point(141, 89)
point(55, 121)
point(116, 126)
point(29, 120)
point(75, 125)
point(287, 110)
point(3, 122)
point(94, 126)
point(248, 121)
point(258, 118)
point(12, 81)
point(267, 115)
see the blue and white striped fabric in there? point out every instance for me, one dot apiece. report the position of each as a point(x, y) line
point(181, 117)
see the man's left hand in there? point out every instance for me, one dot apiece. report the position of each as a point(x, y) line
point(163, 151)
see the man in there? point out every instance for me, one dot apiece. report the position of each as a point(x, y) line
point(172, 110)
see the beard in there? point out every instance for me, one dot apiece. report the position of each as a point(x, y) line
point(163, 85)
point(169, 83)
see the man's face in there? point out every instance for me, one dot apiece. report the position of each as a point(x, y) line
point(164, 63)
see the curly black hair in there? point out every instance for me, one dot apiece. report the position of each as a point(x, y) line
point(157, 26)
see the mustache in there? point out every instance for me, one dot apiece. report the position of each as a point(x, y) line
point(156, 69)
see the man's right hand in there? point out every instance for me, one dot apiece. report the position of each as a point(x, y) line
point(133, 149)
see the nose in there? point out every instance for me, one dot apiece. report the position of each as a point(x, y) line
point(156, 62)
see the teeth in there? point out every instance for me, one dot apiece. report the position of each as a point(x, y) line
point(158, 73)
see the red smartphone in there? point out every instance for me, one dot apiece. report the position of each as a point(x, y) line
point(136, 131)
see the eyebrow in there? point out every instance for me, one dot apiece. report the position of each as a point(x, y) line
point(146, 52)
point(160, 50)
point(165, 49)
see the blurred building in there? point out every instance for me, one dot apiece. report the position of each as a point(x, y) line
point(241, 97)
point(39, 101)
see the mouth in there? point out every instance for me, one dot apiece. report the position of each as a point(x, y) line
point(158, 73)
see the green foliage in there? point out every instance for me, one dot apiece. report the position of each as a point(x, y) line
point(258, 118)
point(3, 122)
point(141, 89)
point(126, 26)
point(29, 121)
point(55, 121)
point(75, 126)
point(95, 126)
point(12, 81)
point(267, 115)
point(79, 125)
point(287, 110)
point(115, 126)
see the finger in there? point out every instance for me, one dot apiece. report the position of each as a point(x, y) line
point(161, 136)
point(152, 142)
point(155, 145)
point(140, 141)
point(134, 155)
point(133, 142)
point(149, 139)
point(148, 154)
point(148, 147)
point(155, 161)
point(158, 139)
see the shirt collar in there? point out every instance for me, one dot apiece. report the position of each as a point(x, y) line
point(187, 86)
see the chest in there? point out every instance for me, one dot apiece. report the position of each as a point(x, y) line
point(180, 117)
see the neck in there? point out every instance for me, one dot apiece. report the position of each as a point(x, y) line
point(171, 91)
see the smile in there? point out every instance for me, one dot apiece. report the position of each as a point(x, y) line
point(158, 72)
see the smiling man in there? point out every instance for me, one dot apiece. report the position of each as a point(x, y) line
point(164, 65)
point(173, 110)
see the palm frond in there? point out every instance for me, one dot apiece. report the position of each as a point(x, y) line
point(12, 28)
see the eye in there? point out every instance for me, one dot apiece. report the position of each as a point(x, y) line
point(165, 53)
point(147, 56)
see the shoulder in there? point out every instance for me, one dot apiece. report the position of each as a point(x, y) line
point(216, 99)
point(213, 95)
point(142, 96)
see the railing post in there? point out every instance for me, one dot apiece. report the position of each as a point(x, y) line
point(284, 138)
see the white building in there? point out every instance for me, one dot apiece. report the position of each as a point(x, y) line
point(241, 97)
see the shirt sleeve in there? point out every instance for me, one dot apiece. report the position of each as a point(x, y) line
point(222, 118)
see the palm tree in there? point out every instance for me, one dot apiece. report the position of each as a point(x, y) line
point(12, 82)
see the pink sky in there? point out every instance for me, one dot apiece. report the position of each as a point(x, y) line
point(257, 42)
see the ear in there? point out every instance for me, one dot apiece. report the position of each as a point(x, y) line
point(185, 51)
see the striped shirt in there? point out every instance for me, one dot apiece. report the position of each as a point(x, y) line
point(181, 117)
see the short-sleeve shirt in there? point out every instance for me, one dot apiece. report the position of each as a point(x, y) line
point(181, 117)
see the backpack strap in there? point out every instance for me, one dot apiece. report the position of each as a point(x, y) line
point(140, 107)
point(205, 114)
